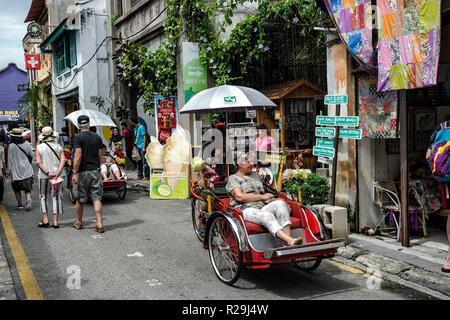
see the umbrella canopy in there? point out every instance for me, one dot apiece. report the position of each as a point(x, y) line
point(227, 98)
point(96, 118)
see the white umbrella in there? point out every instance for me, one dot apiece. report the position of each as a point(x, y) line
point(227, 98)
point(96, 118)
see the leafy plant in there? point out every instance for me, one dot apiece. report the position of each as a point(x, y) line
point(315, 190)
point(31, 104)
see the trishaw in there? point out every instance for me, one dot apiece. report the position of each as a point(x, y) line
point(235, 244)
point(96, 118)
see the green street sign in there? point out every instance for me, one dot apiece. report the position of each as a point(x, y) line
point(325, 132)
point(323, 152)
point(229, 99)
point(350, 133)
point(325, 121)
point(347, 121)
point(327, 143)
point(336, 99)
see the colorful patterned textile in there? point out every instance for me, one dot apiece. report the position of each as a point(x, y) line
point(377, 110)
point(408, 43)
point(354, 20)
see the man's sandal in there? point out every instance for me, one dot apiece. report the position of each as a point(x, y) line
point(99, 230)
point(77, 226)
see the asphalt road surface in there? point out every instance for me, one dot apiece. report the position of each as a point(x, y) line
point(149, 251)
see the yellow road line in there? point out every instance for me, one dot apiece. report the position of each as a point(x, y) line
point(350, 269)
point(29, 282)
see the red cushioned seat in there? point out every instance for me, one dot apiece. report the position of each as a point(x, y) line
point(253, 228)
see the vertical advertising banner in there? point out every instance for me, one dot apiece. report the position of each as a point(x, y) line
point(194, 73)
point(166, 115)
point(168, 155)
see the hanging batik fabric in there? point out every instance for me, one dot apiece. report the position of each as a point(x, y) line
point(408, 43)
point(377, 110)
point(354, 20)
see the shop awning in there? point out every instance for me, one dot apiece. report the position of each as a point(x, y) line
point(35, 10)
point(295, 88)
point(53, 36)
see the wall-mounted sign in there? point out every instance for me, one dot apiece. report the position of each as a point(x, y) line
point(34, 29)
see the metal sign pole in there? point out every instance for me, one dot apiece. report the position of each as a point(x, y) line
point(333, 175)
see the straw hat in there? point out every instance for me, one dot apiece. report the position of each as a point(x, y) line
point(16, 132)
point(47, 134)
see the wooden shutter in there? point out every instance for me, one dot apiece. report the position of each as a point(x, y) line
point(72, 48)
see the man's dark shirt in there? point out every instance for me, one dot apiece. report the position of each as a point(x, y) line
point(436, 130)
point(90, 144)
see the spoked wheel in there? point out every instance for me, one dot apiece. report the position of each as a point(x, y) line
point(226, 258)
point(197, 216)
point(121, 192)
point(310, 265)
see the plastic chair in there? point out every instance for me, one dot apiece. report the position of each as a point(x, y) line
point(386, 198)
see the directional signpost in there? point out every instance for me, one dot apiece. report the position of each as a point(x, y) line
point(350, 133)
point(326, 143)
point(323, 152)
point(336, 99)
point(325, 132)
point(347, 121)
point(325, 121)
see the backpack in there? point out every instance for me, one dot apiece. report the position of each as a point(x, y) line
point(440, 155)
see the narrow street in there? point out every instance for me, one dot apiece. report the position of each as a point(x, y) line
point(149, 251)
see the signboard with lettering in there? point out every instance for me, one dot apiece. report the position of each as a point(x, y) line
point(350, 133)
point(325, 132)
point(349, 121)
point(327, 143)
point(323, 152)
point(336, 99)
point(325, 121)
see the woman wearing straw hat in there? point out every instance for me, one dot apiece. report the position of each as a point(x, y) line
point(19, 167)
point(51, 160)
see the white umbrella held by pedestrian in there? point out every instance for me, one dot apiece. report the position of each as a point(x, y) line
point(96, 118)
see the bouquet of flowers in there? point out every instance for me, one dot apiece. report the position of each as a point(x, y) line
point(205, 174)
point(118, 153)
point(68, 156)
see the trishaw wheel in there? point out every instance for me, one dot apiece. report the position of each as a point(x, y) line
point(309, 265)
point(223, 244)
point(197, 206)
point(121, 192)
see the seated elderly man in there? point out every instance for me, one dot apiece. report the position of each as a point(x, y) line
point(108, 166)
point(247, 194)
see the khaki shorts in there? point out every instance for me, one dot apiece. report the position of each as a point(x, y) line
point(90, 185)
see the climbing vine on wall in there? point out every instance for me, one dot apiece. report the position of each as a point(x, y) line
point(155, 72)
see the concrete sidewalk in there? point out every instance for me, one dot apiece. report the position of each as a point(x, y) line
point(7, 291)
point(418, 267)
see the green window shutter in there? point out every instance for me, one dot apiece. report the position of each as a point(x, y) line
point(67, 49)
point(73, 48)
point(60, 63)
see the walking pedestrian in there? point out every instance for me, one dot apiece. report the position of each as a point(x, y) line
point(141, 143)
point(128, 137)
point(86, 172)
point(51, 160)
point(63, 138)
point(19, 168)
point(439, 140)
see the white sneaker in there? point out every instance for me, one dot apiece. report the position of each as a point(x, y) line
point(28, 205)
